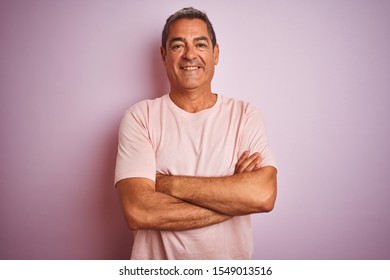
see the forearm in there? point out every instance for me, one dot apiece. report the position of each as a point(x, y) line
point(145, 208)
point(176, 215)
point(239, 194)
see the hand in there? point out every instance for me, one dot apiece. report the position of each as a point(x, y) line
point(247, 163)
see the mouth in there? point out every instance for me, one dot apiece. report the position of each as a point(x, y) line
point(190, 68)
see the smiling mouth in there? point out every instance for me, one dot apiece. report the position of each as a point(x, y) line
point(188, 68)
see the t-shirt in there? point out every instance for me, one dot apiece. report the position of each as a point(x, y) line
point(158, 136)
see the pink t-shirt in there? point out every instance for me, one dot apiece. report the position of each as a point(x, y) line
point(157, 136)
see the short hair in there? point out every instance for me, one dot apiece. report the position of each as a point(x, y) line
point(188, 13)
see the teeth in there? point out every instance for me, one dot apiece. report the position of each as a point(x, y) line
point(190, 68)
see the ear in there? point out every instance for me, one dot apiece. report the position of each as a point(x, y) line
point(216, 54)
point(163, 54)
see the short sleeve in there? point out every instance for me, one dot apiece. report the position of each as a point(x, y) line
point(136, 156)
point(255, 137)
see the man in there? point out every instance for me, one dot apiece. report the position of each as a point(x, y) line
point(192, 165)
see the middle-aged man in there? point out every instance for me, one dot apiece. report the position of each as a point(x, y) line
point(192, 165)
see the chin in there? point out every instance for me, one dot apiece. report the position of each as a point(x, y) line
point(190, 85)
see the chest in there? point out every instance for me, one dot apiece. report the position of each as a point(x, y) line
point(197, 146)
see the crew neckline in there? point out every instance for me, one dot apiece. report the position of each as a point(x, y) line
point(197, 114)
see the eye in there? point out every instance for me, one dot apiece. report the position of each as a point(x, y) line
point(202, 45)
point(176, 47)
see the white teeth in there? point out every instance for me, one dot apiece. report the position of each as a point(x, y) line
point(190, 68)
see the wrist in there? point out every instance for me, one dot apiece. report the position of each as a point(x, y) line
point(164, 183)
point(172, 186)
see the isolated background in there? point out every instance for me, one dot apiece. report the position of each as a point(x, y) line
point(318, 70)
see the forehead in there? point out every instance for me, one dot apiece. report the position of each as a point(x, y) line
point(188, 28)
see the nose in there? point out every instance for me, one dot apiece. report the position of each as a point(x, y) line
point(189, 52)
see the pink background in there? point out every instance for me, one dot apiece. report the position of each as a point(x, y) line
point(318, 70)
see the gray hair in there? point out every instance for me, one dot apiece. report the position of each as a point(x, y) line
point(188, 13)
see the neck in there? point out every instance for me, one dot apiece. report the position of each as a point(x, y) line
point(192, 101)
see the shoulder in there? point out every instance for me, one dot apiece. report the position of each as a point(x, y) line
point(146, 105)
point(142, 111)
point(238, 104)
point(243, 111)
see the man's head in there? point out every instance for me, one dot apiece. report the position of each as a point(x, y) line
point(189, 51)
point(187, 13)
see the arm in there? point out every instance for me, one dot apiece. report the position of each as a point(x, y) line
point(144, 208)
point(245, 192)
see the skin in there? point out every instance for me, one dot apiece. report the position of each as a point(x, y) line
point(181, 202)
point(146, 208)
point(239, 194)
point(189, 45)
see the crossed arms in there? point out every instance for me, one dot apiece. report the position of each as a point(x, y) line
point(182, 203)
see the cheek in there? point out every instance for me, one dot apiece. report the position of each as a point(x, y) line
point(170, 64)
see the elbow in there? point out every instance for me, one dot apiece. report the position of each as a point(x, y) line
point(265, 191)
point(135, 219)
point(264, 203)
point(133, 223)
point(266, 198)
point(267, 205)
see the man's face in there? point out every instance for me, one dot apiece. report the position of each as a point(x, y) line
point(189, 56)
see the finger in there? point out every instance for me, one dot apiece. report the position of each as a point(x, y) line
point(243, 157)
point(252, 166)
point(240, 166)
point(258, 166)
point(249, 163)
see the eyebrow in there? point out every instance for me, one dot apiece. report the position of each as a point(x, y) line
point(201, 38)
point(181, 39)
